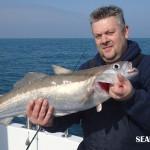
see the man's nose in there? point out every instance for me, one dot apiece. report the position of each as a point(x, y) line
point(104, 39)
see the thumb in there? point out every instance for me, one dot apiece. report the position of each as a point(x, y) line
point(121, 78)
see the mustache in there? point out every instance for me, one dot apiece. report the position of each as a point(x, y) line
point(106, 44)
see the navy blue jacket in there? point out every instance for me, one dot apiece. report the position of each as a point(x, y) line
point(118, 124)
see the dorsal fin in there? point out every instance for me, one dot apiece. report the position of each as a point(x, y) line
point(61, 70)
point(29, 78)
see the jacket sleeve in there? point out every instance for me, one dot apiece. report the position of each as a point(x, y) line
point(138, 107)
point(60, 124)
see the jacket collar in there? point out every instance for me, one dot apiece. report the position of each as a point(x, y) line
point(132, 51)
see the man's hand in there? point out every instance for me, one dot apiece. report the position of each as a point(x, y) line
point(40, 112)
point(122, 89)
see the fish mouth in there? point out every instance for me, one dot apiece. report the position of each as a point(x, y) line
point(132, 71)
point(103, 86)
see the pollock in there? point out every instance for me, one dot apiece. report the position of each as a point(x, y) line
point(68, 91)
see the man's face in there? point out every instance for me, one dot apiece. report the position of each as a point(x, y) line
point(110, 38)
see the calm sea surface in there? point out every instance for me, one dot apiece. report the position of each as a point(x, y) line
point(19, 56)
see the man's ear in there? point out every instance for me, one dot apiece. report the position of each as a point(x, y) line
point(126, 32)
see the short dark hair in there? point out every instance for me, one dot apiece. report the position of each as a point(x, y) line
point(107, 11)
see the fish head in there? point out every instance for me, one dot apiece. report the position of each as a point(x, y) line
point(109, 75)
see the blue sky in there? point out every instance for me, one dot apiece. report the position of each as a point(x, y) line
point(66, 18)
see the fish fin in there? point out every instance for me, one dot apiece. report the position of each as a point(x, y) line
point(61, 70)
point(29, 78)
point(6, 121)
point(99, 107)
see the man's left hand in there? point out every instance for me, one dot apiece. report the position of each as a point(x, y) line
point(122, 89)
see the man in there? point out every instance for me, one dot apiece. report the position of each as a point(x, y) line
point(127, 114)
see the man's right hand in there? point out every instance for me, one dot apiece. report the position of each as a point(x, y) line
point(40, 112)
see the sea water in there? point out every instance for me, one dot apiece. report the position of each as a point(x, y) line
point(20, 56)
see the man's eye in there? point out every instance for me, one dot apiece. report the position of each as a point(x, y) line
point(110, 33)
point(98, 36)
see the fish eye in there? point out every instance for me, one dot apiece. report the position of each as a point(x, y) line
point(116, 66)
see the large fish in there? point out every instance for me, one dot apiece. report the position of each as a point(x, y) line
point(67, 91)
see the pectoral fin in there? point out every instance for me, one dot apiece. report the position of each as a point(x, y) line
point(99, 107)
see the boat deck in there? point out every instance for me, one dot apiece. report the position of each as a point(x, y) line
point(14, 137)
